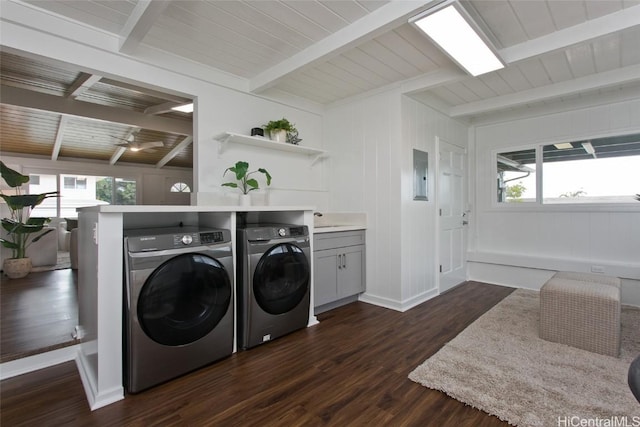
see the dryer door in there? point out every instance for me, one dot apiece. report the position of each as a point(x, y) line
point(184, 299)
point(281, 278)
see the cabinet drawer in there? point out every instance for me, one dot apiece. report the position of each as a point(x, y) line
point(339, 239)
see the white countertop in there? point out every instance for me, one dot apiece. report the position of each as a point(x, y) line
point(338, 228)
point(188, 208)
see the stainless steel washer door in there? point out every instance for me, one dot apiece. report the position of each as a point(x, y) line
point(184, 299)
point(281, 278)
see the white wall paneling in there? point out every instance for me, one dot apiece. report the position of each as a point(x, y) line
point(371, 169)
point(508, 240)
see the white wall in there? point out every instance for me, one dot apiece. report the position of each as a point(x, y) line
point(522, 245)
point(28, 31)
point(422, 125)
point(372, 140)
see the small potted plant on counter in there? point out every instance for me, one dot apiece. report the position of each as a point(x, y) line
point(244, 182)
point(21, 225)
point(280, 129)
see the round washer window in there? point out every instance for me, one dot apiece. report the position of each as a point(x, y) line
point(281, 278)
point(184, 299)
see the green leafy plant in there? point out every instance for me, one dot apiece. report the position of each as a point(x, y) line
point(282, 124)
point(245, 184)
point(21, 225)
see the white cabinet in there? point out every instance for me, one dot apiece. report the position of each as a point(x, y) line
point(339, 267)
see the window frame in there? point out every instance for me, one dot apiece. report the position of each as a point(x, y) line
point(539, 204)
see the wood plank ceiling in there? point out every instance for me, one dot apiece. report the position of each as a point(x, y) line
point(327, 50)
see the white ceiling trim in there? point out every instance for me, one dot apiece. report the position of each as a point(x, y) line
point(174, 151)
point(59, 136)
point(140, 21)
point(56, 104)
point(82, 84)
point(582, 84)
point(385, 18)
point(617, 21)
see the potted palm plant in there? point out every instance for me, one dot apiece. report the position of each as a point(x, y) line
point(244, 182)
point(20, 227)
point(279, 129)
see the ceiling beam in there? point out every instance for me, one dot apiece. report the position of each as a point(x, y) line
point(120, 150)
point(116, 155)
point(140, 21)
point(82, 84)
point(381, 20)
point(589, 30)
point(147, 91)
point(56, 104)
point(174, 151)
point(59, 136)
point(161, 108)
point(579, 85)
point(436, 78)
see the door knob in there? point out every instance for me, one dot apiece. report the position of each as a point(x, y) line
point(465, 222)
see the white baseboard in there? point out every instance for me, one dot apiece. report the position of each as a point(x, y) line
point(97, 399)
point(401, 306)
point(37, 361)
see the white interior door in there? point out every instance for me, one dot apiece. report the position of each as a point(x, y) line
point(452, 178)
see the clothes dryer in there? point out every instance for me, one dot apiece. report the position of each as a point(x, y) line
point(273, 282)
point(178, 302)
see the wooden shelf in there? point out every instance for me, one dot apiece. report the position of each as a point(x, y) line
point(257, 141)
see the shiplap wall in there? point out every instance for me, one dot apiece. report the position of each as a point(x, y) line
point(523, 245)
point(371, 169)
point(364, 139)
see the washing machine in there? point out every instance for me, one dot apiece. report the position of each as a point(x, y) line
point(178, 302)
point(273, 281)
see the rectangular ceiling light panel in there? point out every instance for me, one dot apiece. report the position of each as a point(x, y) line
point(450, 28)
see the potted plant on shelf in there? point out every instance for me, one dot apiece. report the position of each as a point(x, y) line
point(280, 129)
point(20, 227)
point(245, 183)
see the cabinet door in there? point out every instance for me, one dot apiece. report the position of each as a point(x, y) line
point(325, 277)
point(351, 272)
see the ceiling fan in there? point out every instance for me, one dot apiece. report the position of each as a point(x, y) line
point(131, 144)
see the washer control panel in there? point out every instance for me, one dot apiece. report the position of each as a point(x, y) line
point(144, 240)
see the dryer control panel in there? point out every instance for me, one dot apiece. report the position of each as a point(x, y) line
point(144, 240)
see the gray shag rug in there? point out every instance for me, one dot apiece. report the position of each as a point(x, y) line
point(499, 365)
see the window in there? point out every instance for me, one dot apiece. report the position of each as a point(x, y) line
point(600, 170)
point(516, 176)
point(80, 191)
point(603, 170)
point(180, 187)
point(74, 183)
point(45, 183)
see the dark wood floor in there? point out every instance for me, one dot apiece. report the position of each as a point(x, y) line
point(351, 369)
point(38, 313)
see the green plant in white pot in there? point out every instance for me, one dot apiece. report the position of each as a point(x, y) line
point(244, 182)
point(20, 227)
point(279, 129)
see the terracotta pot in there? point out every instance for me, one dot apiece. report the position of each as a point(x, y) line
point(16, 268)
